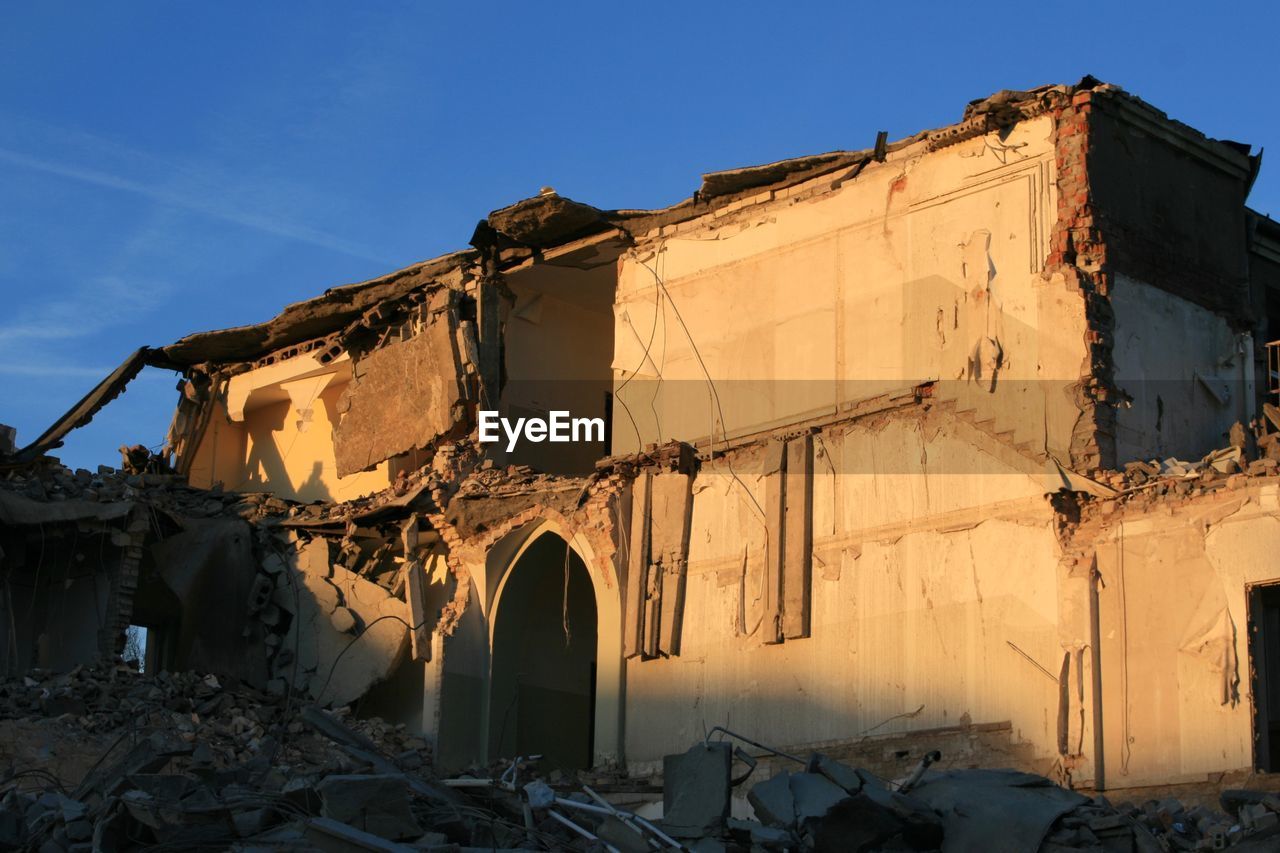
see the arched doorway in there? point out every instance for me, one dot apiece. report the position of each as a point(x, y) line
point(542, 697)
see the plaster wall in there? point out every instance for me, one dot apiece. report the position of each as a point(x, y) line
point(557, 354)
point(1176, 689)
point(925, 267)
point(274, 432)
point(921, 581)
point(1184, 368)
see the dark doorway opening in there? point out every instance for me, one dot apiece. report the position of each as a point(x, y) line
point(542, 695)
point(1264, 659)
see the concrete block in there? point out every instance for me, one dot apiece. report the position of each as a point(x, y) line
point(814, 795)
point(759, 834)
point(842, 774)
point(377, 804)
point(695, 797)
point(773, 801)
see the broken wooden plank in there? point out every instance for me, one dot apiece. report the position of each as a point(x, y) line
point(637, 563)
point(416, 593)
point(671, 512)
point(797, 539)
point(775, 463)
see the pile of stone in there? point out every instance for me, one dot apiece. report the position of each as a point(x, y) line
point(197, 763)
point(192, 761)
point(47, 480)
point(1250, 453)
point(229, 724)
point(1249, 821)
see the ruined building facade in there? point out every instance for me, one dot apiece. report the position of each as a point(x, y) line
point(877, 473)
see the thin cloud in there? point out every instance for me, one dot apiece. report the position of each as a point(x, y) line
point(271, 225)
point(40, 370)
point(91, 306)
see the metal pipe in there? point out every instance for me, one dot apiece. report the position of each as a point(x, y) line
point(707, 742)
point(914, 779)
point(583, 832)
point(626, 817)
point(1095, 661)
point(604, 811)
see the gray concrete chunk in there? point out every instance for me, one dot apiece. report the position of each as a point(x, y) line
point(814, 795)
point(376, 804)
point(773, 801)
point(842, 774)
point(695, 796)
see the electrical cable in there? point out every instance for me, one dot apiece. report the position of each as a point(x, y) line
point(617, 392)
point(719, 411)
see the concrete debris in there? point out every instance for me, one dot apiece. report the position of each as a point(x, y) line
point(695, 798)
point(831, 806)
point(1145, 480)
point(183, 760)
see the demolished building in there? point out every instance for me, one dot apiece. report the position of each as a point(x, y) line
point(890, 462)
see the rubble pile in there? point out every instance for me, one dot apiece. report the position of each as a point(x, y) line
point(1251, 453)
point(229, 722)
point(200, 764)
point(195, 762)
point(49, 481)
point(1249, 821)
point(830, 806)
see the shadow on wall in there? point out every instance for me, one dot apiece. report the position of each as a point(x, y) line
point(265, 468)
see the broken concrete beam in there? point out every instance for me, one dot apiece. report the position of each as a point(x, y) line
point(695, 795)
point(416, 595)
point(841, 774)
point(405, 396)
point(797, 538)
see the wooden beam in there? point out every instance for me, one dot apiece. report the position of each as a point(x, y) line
point(797, 539)
point(775, 466)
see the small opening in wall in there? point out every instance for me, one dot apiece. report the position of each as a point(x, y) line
point(135, 646)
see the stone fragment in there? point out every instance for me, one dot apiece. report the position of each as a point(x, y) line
point(342, 620)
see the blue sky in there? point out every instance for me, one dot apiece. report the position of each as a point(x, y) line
point(172, 167)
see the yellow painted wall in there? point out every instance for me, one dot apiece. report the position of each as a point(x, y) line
point(276, 449)
point(294, 459)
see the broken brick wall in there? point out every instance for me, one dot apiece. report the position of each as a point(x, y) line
point(1151, 233)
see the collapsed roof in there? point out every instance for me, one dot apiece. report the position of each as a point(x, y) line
point(532, 226)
